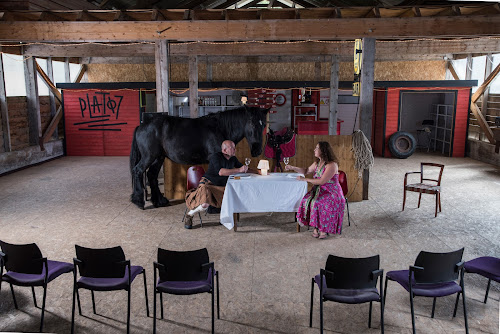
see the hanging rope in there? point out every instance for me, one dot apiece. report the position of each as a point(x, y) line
point(363, 155)
point(362, 152)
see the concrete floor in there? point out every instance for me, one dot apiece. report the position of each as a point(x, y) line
point(265, 268)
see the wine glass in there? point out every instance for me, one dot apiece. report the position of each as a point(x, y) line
point(247, 161)
point(286, 160)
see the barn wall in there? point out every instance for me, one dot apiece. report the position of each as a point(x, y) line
point(18, 121)
point(384, 71)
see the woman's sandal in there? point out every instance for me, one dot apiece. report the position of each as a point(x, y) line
point(315, 234)
point(323, 235)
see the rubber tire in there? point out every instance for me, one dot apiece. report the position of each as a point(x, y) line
point(402, 144)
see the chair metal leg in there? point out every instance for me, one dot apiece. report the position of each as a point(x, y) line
point(184, 217)
point(154, 310)
point(13, 296)
point(385, 289)
point(201, 221)
point(73, 310)
point(412, 314)
point(419, 198)
point(128, 310)
point(43, 306)
point(487, 291)
point(404, 199)
point(93, 301)
point(456, 305)
point(433, 307)
point(217, 280)
point(78, 300)
point(34, 297)
point(161, 305)
point(213, 311)
point(146, 291)
point(311, 309)
point(465, 311)
point(348, 215)
point(370, 316)
point(321, 313)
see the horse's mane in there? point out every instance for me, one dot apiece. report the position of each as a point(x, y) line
point(230, 122)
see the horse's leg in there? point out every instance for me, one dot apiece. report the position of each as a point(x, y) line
point(137, 176)
point(157, 197)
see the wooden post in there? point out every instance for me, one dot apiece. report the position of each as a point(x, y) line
point(4, 109)
point(162, 76)
point(52, 100)
point(468, 67)
point(67, 72)
point(334, 96)
point(366, 98)
point(487, 72)
point(193, 87)
point(33, 103)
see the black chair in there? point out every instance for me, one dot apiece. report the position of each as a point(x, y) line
point(104, 269)
point(184, 273)
point(433, 275)
point(349, 281)
point(26, 266)
point(486, 266)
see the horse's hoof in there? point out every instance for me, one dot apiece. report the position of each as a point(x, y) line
point(161, 202)
point(139, 202)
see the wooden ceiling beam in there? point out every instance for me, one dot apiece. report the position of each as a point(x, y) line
point(247, 30)
point(385, 50)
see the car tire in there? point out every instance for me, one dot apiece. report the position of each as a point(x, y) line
point(402, 144)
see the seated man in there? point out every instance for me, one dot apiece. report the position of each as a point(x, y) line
point(211, 188)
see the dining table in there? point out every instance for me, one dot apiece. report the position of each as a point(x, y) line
point(275, 192)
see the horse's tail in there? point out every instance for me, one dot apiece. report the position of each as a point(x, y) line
point(135, 155)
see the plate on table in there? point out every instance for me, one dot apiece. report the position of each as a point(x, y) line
point(294, 175)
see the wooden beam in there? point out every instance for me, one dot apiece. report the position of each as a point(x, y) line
point(247, 30)
point(366, 98)
point(449, 64)
point(162, 77)
point(334, 95)
point(487, 72)
point(83, 69)
point(33, 103)
point(48, 82)
point(4, 109)
point(386, 50)
point(194, 111)
point(485, 84)
point(52, 99)
point(482, 122)
point(67, 72)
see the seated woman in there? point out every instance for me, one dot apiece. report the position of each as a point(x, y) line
point(323, 206)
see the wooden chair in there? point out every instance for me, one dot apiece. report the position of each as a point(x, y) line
point(433, 188)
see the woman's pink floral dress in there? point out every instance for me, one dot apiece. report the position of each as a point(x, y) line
point(323, 206)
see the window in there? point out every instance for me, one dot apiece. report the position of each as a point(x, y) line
point(495, 84)
point(478, 67)
point(43, 90)
point(14, 75)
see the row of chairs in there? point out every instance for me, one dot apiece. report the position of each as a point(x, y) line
point(180, 273)
point(344, 280)
point(354, 281)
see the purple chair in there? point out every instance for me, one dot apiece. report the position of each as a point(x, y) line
point(486, 266)
point(104, 269)
point(433, 275)
point(185, 273)
point(349, 281)
point(26, 266)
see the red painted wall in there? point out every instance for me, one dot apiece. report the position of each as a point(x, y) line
point(100, 122)
point(392, 119)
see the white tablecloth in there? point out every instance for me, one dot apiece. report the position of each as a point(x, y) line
point(276, 192)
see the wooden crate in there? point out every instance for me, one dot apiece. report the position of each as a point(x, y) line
point(175, 174)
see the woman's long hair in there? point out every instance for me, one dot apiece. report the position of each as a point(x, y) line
point(326, 152)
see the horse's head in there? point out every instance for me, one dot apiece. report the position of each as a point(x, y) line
point(254, 129)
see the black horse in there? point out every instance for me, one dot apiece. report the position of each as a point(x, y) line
point(188, 141)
